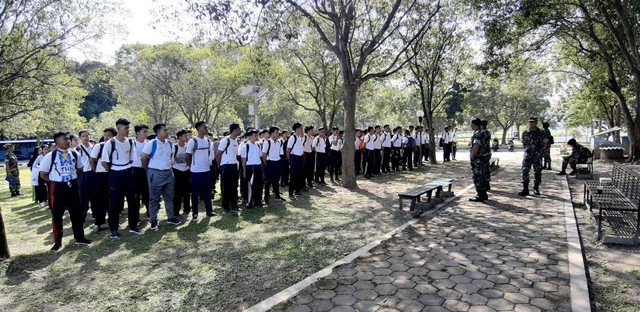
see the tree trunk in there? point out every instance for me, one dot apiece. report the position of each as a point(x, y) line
point(518, 131)
point(4, 246)
point(504, 136)
point(349, 149)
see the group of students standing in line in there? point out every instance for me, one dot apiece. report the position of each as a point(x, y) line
point(74, 172)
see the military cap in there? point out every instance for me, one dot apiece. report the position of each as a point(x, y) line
point(533, 119)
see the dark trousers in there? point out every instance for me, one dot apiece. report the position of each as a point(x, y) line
point(214, 177)
point(407, 159)
point(377, 161)
point(229, 185)
point(396, 155)
point(309, 167)
point(358, 160)
point(41, 191)
point(244, 184)
point(296, 183)
point(447, 151)
point(386, 159)
point(254, 178)
point(425, 152)
point(101, 189)
point(182, 191)
point(284, 171)
point(370, 162)
point(86, 182)
point(141, 187)
point(65, 196)
point(272, 179)
point(200, 188)
point(321, 164)
point(334, 159)
point(121, 186)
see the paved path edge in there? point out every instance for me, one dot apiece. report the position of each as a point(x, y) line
point(580, 301)
point(293, 290)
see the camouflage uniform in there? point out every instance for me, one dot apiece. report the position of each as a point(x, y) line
point(487, 150)
point(547, 151)
point(11, 162)
point(479, 163)
point(578, 154)
point(533, 142)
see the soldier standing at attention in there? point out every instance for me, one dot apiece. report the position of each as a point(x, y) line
point(535, 142)
point(13, 173)
point(487, 138)
point(479, 154)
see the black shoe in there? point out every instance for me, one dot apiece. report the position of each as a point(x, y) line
point(561, 173)
point(56, 247)
point(250, 206)
point(83, 242)
point(524, 192)
point(281, 199)
point(536, 192)
point(477, 199)
point(114, 235)
point(570, 173)
point(211, 214)
point(306, 189)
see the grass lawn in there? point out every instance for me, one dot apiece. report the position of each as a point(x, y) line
point(216, 264)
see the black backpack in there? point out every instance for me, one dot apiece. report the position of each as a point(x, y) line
point(53, 158)
point(113, 149)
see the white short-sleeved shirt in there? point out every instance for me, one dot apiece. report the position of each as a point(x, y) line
point(425, 138)
point(200, 157)
point(377, 141)
point(319, 144)
point(357, 143)
point(251, 152)
point(179, 161)
point(405, 140)
point(272, 149)
point(95, 154)
point(307, 144)
point(332, 146)
point(123, 156)
point(447, 137)
point(386, 139)
point(137, 162)
point(295, 144)
point(340, 144)
point(454, 137)
point(85, 155)
point(230, 155)
point(283, 145)
point(368, 142)
point(396, 140)
point(162, 157)
point(64, 168)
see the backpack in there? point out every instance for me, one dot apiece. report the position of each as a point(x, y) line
point(113, 149)
point(551, 140)
point(195, 148)
point(295, 139)
point(53, 158)
point(154, 147)
point(362, 145)
point(411, 143)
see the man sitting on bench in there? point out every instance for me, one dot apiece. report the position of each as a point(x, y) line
point(579, 154)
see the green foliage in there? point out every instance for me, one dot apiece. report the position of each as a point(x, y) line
point(96, 79)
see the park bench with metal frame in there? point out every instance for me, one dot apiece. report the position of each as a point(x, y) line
point(415, 194)
point(588, 164)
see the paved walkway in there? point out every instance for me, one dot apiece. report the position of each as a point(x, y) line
point(508, 254)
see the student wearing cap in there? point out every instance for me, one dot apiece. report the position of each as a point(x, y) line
point(141, 185)
point(334, 149)
point(117, 156)
point(320, 148)
point(101, 181)
point(181, 175)
point(396, 149)
point(157, 157)
point(60, 168)
point(534, 141)
point(87, 178)
point(228, 162)
point(13, 172)
point(295, 155)
point(309, 157)
point(271, 149)
point(284, 161)
point(386, 149)
point(199, 156)
point(252, 169)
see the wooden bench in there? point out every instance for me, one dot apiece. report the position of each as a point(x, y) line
point(588, 164)
point(494, 163)
point(415, 194)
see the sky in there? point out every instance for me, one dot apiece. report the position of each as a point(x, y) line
point(136, 23)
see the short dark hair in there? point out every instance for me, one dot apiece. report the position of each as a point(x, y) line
point(477, 122)
point(112, 130)
point(369, 128)
point(335, 128)
point(225, 133)
point(122, 122)
point(385, 126)
point(307, 128)
point(296, 126)
point(158, 127)
point(83, 131)
point(545, 124)
point(321, 129)
point(284, 131)
point(572, 142)
point(273, 129)
point(377, 127)
point(199, 124)
point(140, 127)
point(60, 134)
point(233, 126)
point(485, 123)
point(181, 132)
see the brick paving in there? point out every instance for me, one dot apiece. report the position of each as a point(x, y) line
point(508, 254)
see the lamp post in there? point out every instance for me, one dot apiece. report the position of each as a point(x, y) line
point(420, 114)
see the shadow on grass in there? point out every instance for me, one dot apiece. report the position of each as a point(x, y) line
point(21, 266)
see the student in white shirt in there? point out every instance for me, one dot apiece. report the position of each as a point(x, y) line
point(320, 148)
point(101, 181)
point(182, 184)
point(284, 161)
point(271, 150)
point(86, 179)
point(425, 144)
point(358, 153)
point(39, 184)
point(338, 169)
point(396, 149)
point(117, 156)
point(386, 149)
point(295, 156)
point(417, 136)
point(199, 157)
point(228, 161)
point(334, 150)
point(309, 157)
point(141, 186)
point(446, 144)
point(252, 169)
point(61, 168)
point(377, 153)
point(454, 143)
point(156, 158)
point(244, 184)
point(369, 152)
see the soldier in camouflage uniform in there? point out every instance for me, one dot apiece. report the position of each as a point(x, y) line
point(479, 161)
point(487, 136)
point(579, 154)
point(547, 151)
point(535, 142)
point(13, 173)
